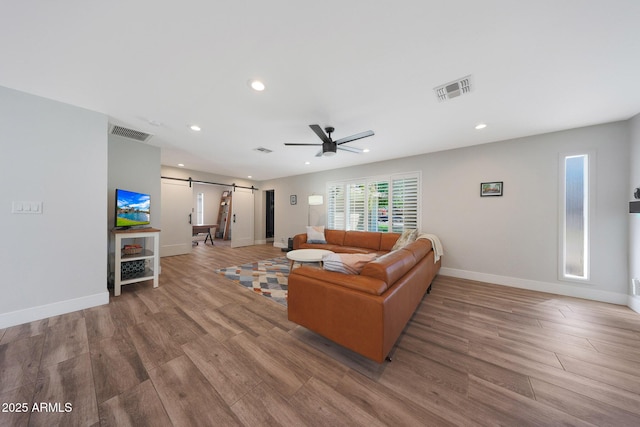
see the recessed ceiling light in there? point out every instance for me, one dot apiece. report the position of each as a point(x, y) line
point(307, 163)
point(249, 176)
point(257, 85)
point(195, 128)
point(181, 165)
point(481, 126)
point(366, 150)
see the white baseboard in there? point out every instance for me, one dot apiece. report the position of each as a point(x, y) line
point(260, 242)
point(634, 303)
point(26, 315)
point(280, 245)
point(576, 291)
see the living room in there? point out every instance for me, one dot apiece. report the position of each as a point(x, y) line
point(59, 153)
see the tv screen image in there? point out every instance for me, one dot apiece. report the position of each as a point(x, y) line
point(132, 209)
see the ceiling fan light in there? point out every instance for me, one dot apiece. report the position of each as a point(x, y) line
point(329, 153)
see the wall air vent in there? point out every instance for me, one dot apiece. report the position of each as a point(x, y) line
point(453, 89)
point(263, 150)
point(129, 133)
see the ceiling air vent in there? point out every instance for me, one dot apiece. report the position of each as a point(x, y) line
point(263, 150)
point(130, 133)
point(453, 89)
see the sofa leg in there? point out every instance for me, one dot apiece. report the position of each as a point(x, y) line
point(388, 358)
point(429, 289)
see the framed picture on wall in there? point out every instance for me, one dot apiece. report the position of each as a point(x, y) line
point(293, 199)
point(491, 189)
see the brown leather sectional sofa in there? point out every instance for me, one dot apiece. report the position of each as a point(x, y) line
point(367, 312)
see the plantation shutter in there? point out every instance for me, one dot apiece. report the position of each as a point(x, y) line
point(356, 219)
point(335, 207)
point(378, 205)
point(405, 201)
point(383, 203)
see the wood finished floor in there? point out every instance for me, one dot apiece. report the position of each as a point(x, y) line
point(201, 350)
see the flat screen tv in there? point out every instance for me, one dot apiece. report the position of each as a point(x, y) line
point(132, 209)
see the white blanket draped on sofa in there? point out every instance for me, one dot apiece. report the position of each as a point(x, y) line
point(435, 242)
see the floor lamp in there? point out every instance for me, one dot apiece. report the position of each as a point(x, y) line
point(314, 200)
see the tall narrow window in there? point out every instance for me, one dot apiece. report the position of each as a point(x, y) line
point(575, 224)
point(200, 208)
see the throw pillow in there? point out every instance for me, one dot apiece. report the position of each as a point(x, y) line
point(346, 263)
point(405, 238)
point(316, 234)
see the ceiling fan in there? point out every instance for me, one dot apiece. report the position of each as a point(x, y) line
point(329, 146)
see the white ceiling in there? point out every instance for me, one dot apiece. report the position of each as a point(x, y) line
point(537, 67)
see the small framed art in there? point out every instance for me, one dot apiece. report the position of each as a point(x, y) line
point(491, 189)
point(293, 199)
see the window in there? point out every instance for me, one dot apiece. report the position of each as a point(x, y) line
point(336, 207)
point(386, 204)
point(404, 206)
point(575, 217)
point(378, 205)
point(200, 209)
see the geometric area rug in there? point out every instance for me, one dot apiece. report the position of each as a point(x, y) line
point(267, 278)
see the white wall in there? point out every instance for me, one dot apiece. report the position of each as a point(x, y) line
point(512, 239)
point(634, 219)
point(54, 262)
point(133, 166)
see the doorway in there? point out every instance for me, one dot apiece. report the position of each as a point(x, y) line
point(270, 218)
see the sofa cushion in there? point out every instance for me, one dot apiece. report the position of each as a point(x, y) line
point(387, 240)
point(405, 238)
point(352, 250)
point(390, 267)
point(315, 234)
point(346, 263)
point(325, 246)
point(362, 239)
point(334, 237)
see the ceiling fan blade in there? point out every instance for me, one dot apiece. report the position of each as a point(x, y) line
point(298, 143)
point(320, 153)
point(355, 137)
point(351, 149)
point(318, 130)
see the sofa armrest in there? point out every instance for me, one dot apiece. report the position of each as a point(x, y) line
point(298, 240)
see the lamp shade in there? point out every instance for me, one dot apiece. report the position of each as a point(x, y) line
point(316, 199)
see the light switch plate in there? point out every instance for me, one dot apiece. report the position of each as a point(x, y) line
point(26, 207)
